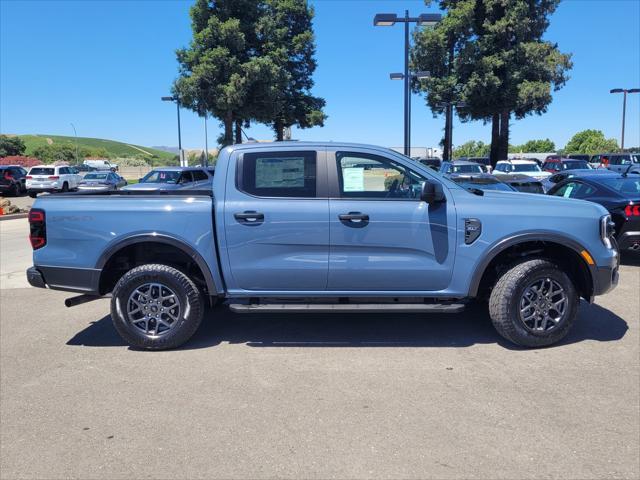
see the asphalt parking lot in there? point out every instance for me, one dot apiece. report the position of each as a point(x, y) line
point(314, 396)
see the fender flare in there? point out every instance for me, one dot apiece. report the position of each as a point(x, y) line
point(540, 236)
point(108, 253)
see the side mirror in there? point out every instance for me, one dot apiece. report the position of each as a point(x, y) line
point(432, 193)
point(140, 180)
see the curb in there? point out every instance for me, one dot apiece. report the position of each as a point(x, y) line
point(13, 216)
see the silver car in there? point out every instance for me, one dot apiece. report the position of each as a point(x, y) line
point(175, 178)
point(101, 182)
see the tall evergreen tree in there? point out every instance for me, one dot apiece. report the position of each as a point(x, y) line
point(250, 60)
point(502, 66)
point(287, 38)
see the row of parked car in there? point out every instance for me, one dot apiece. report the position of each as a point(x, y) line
point(614, 185)
point(16, 180)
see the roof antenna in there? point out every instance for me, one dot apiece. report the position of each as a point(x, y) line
point(627, 170)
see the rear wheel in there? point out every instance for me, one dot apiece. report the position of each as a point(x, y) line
point(156, 307)
point(65, 187)
point(15, 190)
point(534, 304)
point(33, 194)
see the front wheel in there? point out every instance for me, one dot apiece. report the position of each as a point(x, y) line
point(156, 307)
point(534, 304)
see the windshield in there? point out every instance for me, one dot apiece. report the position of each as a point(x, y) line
point(42, 171)
point(161, 176)
point(95, 176)
point(466, 168)
point(626, 186)
point(526, 167)
point(578, 164)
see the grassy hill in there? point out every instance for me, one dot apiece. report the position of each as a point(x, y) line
point(115, 149)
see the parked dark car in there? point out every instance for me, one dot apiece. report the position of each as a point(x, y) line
point(482, 181)
point(549, 182)
point(461, 166)
point(579, 156)
point(522, 183)
point(484, 161)
point(174, 178)
point(82, 168)
point(101, 182)
point(620, 194)
point(432, 162)
point(558, 165)
point(12, 180)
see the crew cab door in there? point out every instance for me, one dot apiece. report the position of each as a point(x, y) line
point(383, 237)
point(277, 221)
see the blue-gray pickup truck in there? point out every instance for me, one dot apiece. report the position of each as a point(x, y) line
point(324, 227)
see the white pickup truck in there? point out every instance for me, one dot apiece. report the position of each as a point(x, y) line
point(101, 164)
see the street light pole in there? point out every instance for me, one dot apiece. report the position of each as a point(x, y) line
point(407, 104)
point(624, 91)
point(177, 100)
point(389, 19)
point(76, 134)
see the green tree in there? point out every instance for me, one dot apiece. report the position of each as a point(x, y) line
point(250, 60)
point(215, 70)
point(534, 146)
point(10, 146)
point(287, 38)
point(56, 152)
point(500, 66)
point(590, 142)
point(471, 149)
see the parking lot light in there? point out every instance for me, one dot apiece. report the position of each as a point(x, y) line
point(177, 100)
point(624, 107)
point(387, 20)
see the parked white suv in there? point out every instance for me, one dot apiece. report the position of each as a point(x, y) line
point(529, 168)
point(101, 164)
point(52, 178)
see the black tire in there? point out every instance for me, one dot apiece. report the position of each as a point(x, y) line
point(506, 297)
point(190, 300)
point(33, 194)
point(65, 187)
point(15, 190)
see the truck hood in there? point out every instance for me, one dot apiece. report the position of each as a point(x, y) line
point(538, 205)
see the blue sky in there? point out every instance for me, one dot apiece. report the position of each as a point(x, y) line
point(104, 65)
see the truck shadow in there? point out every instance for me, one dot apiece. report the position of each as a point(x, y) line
point(360, 330)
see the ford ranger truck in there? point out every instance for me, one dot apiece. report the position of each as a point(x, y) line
point(323, 227)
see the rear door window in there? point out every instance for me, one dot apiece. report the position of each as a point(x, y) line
point(42, 171)
point(279, 174)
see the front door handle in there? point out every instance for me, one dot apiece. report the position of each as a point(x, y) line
point(354, 219)
point(249, 217)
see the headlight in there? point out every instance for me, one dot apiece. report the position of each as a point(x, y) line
point(607, 230)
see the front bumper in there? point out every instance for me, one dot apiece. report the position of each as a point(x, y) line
point(605, 277)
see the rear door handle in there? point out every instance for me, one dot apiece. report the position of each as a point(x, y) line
point(354, 219)
point(249, 217)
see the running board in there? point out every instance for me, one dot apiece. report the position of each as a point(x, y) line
point(347, 307)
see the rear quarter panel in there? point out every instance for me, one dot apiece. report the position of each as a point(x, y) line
point(81, 228)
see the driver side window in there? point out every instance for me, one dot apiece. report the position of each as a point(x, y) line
point(363, 175)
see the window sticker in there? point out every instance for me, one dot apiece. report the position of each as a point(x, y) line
point(567, 192)
point(353, 179)
point(279, 172)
